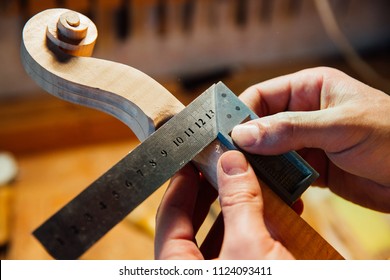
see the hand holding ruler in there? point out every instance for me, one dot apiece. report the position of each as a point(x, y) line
point(128, 94)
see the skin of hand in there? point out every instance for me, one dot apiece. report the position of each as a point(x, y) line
point(184, 208)
point(339, 125)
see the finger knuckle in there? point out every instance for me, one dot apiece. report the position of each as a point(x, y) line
point(236, 198)
point(287, 123)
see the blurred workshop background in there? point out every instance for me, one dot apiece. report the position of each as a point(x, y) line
point(50, 149)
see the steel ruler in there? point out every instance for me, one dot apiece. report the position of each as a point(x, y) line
point(108, 200)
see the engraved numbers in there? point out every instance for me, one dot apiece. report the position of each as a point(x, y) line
point(177, 139)
point(198, 124)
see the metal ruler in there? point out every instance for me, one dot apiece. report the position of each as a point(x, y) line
point(84, 220)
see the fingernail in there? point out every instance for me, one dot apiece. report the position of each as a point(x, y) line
point(234, 163)
point(245, 135)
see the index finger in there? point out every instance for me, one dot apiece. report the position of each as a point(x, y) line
point(174, 229)
point(300, 91)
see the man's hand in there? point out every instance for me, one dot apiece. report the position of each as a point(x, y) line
point(342, 124)
point(183, 209)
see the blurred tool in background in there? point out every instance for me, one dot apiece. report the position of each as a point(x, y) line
point(190, 41)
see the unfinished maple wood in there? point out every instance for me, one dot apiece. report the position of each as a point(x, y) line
point(143, 104)
point(71, 26)
point(118, 89)
point(73, 33)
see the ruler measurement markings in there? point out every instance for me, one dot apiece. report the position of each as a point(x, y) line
point(139, 171)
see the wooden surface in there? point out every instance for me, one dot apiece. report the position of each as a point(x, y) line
point(123, 91)
point(49, 180)
point(143, 105)
point(44, 123)
point(73, 32)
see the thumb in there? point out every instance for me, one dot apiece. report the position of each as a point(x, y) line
point(246, 236)
point(288, 131)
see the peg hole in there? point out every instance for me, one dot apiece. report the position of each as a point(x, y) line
point(229, 116)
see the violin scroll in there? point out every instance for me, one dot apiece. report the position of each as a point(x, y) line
point(73, 33)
